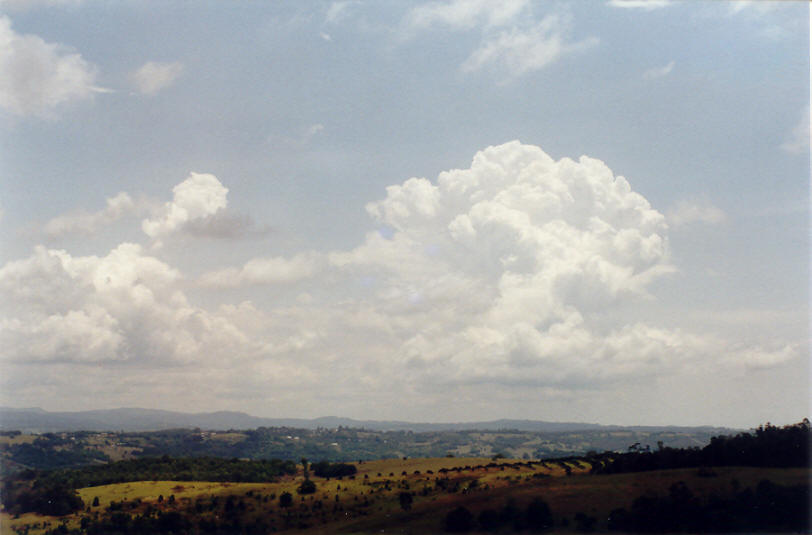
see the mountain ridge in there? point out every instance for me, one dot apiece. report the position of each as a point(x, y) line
point(35, 419)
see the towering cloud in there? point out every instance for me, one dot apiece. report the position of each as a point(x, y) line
point(508, 273)
point(196, 198)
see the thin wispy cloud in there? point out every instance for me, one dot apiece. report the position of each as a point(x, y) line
point(338, 11)
point(153, 76)
point(466, 14)
point(646, 5)
point(659, 72)
point(701, 210)
point(516, 52)
point(513, 41)
point(798, 140)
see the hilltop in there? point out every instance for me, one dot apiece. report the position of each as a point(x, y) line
point(37, 420)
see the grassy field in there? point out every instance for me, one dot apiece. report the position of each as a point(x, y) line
point(17, 439)
point(368, 502)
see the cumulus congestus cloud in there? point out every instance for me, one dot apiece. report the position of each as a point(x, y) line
point(497, 268)
point(504, 274)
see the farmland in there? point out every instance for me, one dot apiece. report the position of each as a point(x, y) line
point(71, 449)
point(664, 490)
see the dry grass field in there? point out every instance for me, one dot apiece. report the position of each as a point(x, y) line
point(368, 502)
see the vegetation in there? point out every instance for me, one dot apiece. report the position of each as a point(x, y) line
point(769, 446)
point(71, 450)
point(327, 469)
point(446, 494)
point(770, 507)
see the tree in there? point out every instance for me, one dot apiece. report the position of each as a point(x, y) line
point(406, 500)
point(285, 499)
point(304, 469)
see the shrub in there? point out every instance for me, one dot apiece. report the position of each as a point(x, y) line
point(460, 520)
point(307, 487)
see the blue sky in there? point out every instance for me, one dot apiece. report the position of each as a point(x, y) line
point(381, 210)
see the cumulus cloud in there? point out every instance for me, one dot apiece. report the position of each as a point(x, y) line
point(198, 197)
point(646, 5)
point(121, 307)
point(518, 51)
point(502, 275)
point(659, 72)
point(798, 141)
point(687, 212)
point(121, 205)
point(274, 270)
point(36, 76)
point(499, 265)
point(153, 76)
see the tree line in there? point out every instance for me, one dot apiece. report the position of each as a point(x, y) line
point(767, 446)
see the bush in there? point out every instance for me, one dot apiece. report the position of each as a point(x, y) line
point(307, 487)
point(327, 469)
point(285, 499)
point(460, 520)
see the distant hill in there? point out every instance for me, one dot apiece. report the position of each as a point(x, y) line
point(133, 419)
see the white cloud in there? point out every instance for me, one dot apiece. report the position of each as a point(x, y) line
point(798, 142)
point(466, 14)
point(500, 276)
point(338, 11)
point(153, 76)
point(514, 42)
point(196, 198)
point(646, 5)
point(520, 51)
point(117, 207)
point(659, 72)
point(494, 270)
point(686, 212)
point(121, 307)
point(36, 77)
point(275, 270)
point(313, 130)
point(759, 8)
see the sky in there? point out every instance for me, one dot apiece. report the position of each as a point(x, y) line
point(452, 210)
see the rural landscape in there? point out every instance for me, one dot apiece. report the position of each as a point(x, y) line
point(406, 266)
point(356, 480)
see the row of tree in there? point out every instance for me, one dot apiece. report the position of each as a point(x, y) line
point(767, 446)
